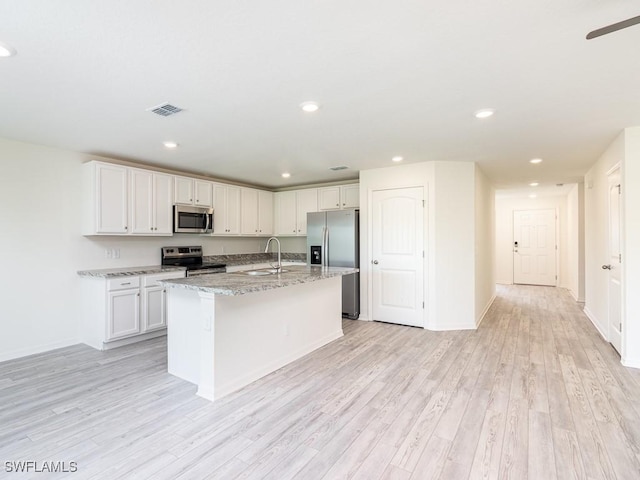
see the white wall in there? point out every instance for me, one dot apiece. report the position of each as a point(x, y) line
point(454, 289)
point(631, 248)
point(596, 234)
point(485, 284)
point(42, 248)
point(452, 248)
point(575, 242)
point(505, 206)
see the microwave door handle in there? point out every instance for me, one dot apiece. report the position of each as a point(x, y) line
point(206, 227)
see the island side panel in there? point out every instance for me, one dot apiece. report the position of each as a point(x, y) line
point(184, 334)
point(257, 333)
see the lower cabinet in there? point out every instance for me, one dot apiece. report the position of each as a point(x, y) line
point(134, 308)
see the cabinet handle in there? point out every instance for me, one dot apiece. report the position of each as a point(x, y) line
point(125, 227)
point(337, 204)
point(126, 283)
point(343, 204)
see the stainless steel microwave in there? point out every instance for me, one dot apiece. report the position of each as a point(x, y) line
point(188, 219)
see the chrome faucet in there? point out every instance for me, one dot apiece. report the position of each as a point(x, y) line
point(266, 249)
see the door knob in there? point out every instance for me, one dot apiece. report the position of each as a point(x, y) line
point(375, 262)
point(606, 267)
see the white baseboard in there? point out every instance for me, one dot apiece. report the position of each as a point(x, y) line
point(33, 350)
point(631, 362)
point(449, 327)
point(593, 319)
point(486, 310)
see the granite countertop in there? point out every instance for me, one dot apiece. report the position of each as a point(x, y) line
point(129, 271)
point(232, 284)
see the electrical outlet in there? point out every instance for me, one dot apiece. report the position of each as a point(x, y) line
point(108, 253)
point(116, 253)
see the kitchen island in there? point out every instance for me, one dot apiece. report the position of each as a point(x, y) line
point(225, 331)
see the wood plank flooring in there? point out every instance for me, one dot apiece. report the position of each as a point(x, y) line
point(533, 393)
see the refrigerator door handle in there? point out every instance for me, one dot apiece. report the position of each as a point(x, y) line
point(325, 246)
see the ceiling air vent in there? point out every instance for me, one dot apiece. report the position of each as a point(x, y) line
point(341, 167)
point(165, 110)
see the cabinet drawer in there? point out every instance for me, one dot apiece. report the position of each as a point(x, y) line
point(120, 283)
point(152, 280)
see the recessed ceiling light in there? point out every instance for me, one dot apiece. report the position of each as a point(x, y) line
point(533, 195)
point(309, 107)
point(535, 160)
point(286, 175)
point(534, 184)
point(397, 159)
point(6, 50)
point(170, 145)
point(484, 113)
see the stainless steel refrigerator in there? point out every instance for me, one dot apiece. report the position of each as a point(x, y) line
point(333, 240)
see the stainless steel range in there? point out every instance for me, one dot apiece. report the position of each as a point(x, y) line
point(191, 259)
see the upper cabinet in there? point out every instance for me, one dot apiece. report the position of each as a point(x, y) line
point(151, 202)
point(191, 191)
point(265, 212)
point(126, 201)
point(257, 212)
point(106, 204)
point(338, 197)
point(226, 209)
point(121, 200)
point(292, 208)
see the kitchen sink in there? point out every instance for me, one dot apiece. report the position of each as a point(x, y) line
point(261, 272)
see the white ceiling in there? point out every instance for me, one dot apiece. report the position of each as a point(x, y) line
point(399, 77)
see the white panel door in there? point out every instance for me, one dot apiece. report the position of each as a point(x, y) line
point(534, 247)
point(163, 204)
point(141, 182)
point(398, 256)
point(614, 263)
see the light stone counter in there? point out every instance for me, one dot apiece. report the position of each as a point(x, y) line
point(129, 271)
point(232, 284)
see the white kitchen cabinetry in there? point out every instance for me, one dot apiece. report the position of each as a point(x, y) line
point(339, 197)
point(106, 207)
point(122, 310)
point(151, 202)
point(257, 212)
point(226, 209)
point(153, 311)
point(292, 208)
point(265, 213)
point(191, 191)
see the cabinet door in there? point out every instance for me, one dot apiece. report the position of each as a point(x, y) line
point(163, 204)
point(350, 196)
point(285, 209)
point(219, 209)
point(112, 199)
point(184, 190)
point(203, 193)
point(249, 207)
point(307, 201)
point(265, 213)
point(141, 182)
point(233, 210)
point(329, 198)
point(154, 313)
point(123, 313)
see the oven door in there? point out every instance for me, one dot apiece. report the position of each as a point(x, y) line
point(192, 219)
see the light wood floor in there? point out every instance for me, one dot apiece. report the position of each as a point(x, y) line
point(533, 393)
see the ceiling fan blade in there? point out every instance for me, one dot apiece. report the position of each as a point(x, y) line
point(613, 27)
